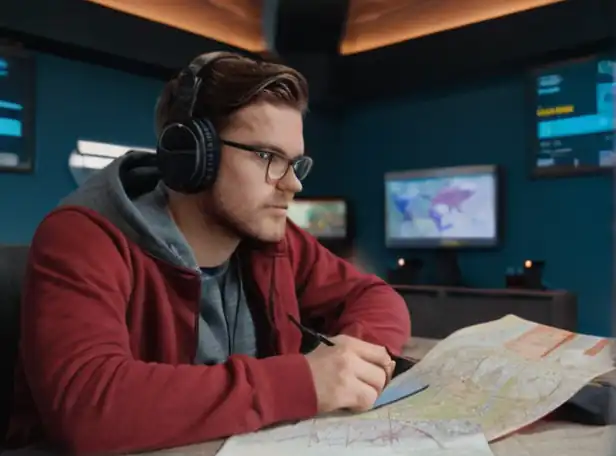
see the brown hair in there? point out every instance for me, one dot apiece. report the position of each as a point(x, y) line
point(232, 83)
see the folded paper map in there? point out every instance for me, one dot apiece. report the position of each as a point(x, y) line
point(504, 375)
point(486, 381)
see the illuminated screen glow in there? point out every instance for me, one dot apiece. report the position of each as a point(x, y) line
point(16, 110)
point(322, 219)
point(573, 111)
point(425, 210)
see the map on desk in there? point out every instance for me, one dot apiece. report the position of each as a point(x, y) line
point(486, 381)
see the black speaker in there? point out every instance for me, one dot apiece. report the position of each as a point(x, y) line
point(533, 274)
point(407, 272)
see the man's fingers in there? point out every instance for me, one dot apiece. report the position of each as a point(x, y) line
point(390, 371)
point(371, 353)
point(371, 374)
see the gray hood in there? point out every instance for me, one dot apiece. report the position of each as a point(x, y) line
point(129, 193)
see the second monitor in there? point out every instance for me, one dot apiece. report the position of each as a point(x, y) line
point(325, 218)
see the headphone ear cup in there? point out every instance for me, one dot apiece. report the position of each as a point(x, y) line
point(209, 151)
point(178, 157)
point(189, 156)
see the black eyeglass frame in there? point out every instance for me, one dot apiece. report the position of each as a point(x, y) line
point(291, 163)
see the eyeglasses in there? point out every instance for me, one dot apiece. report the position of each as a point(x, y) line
point(277, 164)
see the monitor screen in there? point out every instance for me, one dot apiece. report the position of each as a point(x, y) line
point(324, 219)
point(17, 85)
point(573, 112)
point(445, 207)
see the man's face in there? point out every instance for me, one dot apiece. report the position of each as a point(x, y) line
point(243, 198)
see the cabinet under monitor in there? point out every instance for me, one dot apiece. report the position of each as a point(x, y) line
point(437, 312)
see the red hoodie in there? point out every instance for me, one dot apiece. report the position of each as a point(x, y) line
point(109, 335)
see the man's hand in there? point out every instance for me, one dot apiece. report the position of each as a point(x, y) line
point(349, 375)
point(359, 345)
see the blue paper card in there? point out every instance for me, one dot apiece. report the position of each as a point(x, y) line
point(400, 387)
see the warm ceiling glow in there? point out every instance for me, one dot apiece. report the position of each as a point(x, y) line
point(234, 22)
point(373, 24)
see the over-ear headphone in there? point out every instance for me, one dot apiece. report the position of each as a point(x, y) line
point(188, 148)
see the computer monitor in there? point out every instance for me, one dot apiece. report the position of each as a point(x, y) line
point(572, 112)
point(17, 109)
point(324, 218)
point(445, 207)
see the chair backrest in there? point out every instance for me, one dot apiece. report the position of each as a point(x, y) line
point(13, 260)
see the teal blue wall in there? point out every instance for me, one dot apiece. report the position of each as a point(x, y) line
point(73, 101)
point(566, 222)
point(82, 101)
point(323, 136)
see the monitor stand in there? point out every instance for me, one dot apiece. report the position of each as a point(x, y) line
point(448, 273)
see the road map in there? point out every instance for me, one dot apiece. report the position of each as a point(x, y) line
point(505, 375)
point(486, 381)
point(363, 436)
point(460, 207)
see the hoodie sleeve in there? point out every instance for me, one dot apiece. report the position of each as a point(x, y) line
point(92, 395)
point(332, 291)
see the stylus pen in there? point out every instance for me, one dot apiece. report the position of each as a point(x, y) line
point(402, 364)
point(318, 336)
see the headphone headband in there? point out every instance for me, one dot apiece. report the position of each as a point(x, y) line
point(190, 80)
point(200, 62)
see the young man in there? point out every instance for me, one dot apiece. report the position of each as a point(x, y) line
point(164, 297)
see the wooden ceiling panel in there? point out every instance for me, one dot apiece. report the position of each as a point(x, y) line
point(373, 24)
point(234, 22)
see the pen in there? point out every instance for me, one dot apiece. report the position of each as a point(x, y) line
point(402, 364)
point(318, 336)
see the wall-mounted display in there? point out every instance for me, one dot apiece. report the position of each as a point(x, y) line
point(17, 105)
point(572, 111)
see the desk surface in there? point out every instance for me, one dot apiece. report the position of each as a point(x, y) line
point(541, 439)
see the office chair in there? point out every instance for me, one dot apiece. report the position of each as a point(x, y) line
point(13, 260)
